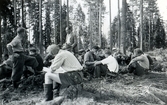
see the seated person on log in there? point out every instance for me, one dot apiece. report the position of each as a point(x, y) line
point(89, 59)
point(6, 67)
point(65, 69)
point(140, 64)
point(27, 69)
point(109, 61)
point(34, 53)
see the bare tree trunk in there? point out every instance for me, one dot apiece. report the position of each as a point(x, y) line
point(61, 38)
point(123, 27)
point(0, 41)
point(119, 26)
point(111, 38)
point(40, 28)
point(100, 7)
point(15, 21)
point(141, 24)
point(67, 13)
point(90, 27)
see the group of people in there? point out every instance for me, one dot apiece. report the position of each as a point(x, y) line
point(62, 66)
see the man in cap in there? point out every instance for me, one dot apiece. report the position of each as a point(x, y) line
point(65, 69)
point(17, 50)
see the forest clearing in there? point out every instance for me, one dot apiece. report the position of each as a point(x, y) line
point(127, 89)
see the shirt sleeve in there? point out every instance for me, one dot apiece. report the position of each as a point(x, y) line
point(57, 62)
point(86, 57)
point(105, 61)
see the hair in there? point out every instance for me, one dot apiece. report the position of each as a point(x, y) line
point(20, 29)
point(107, 52)
point(52, 49)
point(95, 47)
point(138, 51)
point(69, 28)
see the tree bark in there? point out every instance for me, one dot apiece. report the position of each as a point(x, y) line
point(123, 27)
point(111, 38)
point(0, 41)
point(100, 7)
point(40, 27)
point(141, 24)
point(119, 26)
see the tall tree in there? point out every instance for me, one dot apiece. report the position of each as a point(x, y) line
point(159, 34)
point(93, 10)
point(141, 24)
point(123, 26)
point(47, 30)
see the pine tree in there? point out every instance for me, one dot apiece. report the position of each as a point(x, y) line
point(47, 30)
point(159, 35)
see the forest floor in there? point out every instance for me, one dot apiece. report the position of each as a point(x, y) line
point(127, 89)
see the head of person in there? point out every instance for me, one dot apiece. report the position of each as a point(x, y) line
point(138, 52)
point(33, 50)
point(67, 47)
point(95, 49)
point(69, 29)
point(107, 53)
point(21, 31)
point(53, 49)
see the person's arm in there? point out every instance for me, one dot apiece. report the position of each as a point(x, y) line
point(57, 62)
point(139, 58)
point(9, 47)
point(97, 63)
point(75, 41)
point(87, 61)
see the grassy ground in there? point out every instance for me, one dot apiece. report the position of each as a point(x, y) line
point(127, 89)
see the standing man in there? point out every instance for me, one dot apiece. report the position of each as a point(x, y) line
point(71, 39)
point(65, 69)
point(16, 49)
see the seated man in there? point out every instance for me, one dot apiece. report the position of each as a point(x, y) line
point(140, 64)
point(33, 52)
point(65, 69)
point(110, 61)
point(89, 59)
point(6, 67)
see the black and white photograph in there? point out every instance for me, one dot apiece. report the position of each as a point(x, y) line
point(83, 52)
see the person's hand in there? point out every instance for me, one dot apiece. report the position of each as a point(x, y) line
point(95, 63)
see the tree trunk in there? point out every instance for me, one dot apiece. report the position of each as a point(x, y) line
point(67, 13)
point(119, 26)
point(141, 24)
point(123, 27)
point(111, 38)
point(61, 38)
point(40, 28)
point(0, 41)
point(100, 7)
point(15, 18)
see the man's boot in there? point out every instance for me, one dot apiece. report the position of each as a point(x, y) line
point(57, 87)
point(48, 90)
point(15, 84)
